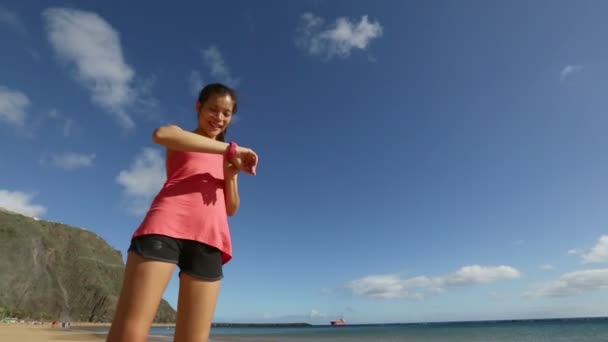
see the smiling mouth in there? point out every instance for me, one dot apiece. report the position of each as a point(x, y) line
point(215, 126)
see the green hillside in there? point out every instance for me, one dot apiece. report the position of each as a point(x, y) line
point(54, 271)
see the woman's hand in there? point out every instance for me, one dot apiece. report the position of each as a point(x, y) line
point(245, 160)
point(230, 170)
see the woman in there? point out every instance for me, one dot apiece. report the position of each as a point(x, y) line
point(186, 225)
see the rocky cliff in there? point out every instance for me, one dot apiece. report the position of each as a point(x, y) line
point(54, 271)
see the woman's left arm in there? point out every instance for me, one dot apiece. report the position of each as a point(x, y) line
point(231, 193)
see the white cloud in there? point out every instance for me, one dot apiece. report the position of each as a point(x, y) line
point(339, 39)
point(142, 180)
point(391, 286)
point(547, 267)
point(570, 70)
point(67, 123)
point(218, 69)
point(327, 291)
point(92, 47)
point(574, 251)
point(12, 20)
point(71, 160)
point(480, 274)
point(21, 202)
point(573, 283)
point(316, 314)
point(599, 253)
point(380, 286)
point(13, 105)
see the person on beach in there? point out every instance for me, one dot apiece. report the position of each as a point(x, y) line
point(186, 224)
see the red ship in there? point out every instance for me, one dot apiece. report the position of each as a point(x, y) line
point(338, 322)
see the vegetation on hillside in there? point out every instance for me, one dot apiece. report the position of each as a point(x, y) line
point(54, 271)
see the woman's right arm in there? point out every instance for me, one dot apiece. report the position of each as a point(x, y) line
point(175, 138)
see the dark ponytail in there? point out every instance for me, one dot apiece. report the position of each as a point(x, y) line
point(218, 89)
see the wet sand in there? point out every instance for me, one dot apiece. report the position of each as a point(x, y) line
point(44, 333)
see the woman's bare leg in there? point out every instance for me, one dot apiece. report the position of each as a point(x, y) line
point(144, 283)
point(195, 308)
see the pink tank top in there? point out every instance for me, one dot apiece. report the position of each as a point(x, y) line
point(191, 204)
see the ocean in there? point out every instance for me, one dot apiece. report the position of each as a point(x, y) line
point(549, 330)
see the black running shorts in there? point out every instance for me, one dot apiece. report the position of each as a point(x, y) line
point(192, 257)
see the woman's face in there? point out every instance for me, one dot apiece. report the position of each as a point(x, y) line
point(214, 115)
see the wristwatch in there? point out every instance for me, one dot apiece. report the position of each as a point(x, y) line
point(231, 154)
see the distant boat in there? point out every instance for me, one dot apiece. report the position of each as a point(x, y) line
point(338, 322)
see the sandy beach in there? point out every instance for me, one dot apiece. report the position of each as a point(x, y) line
point(44, 333)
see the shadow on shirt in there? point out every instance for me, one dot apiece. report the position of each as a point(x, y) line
point(203, 183)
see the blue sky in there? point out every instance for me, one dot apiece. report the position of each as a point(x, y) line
point(418, 161)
